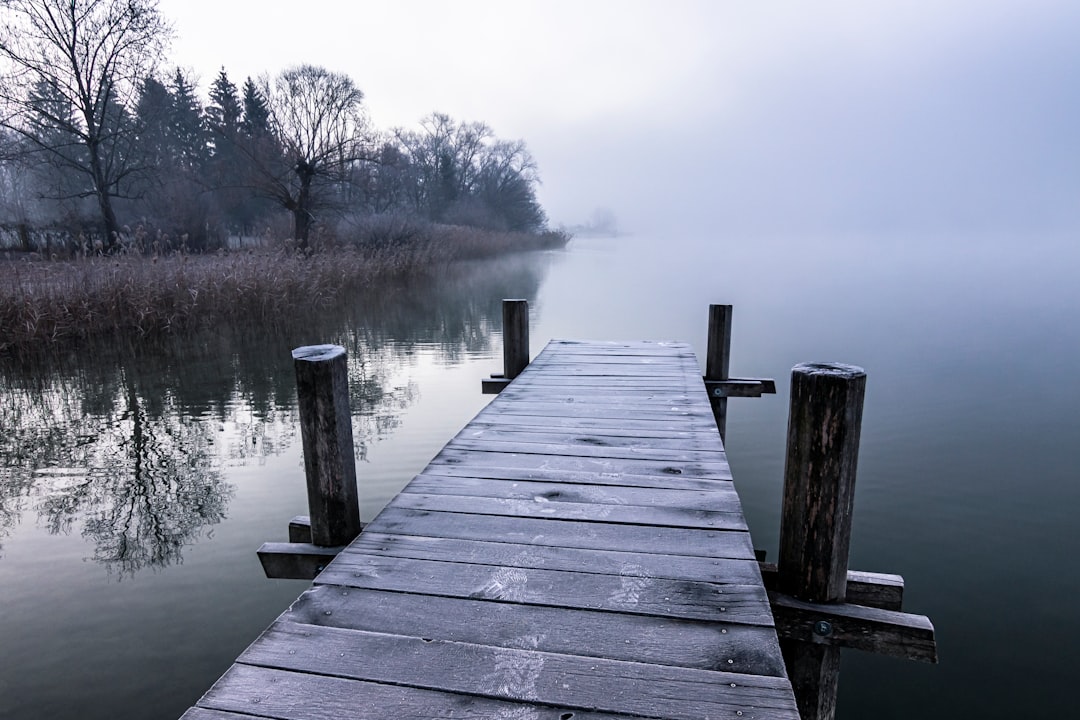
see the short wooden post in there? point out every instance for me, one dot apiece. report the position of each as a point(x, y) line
point(322, 385)
point(815, 525)
point(515, 337)
point(718, 359)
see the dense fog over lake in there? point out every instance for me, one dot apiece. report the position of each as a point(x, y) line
point(843, 116)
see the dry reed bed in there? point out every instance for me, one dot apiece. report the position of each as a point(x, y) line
point(45, 302)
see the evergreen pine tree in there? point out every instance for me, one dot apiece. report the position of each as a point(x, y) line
point(153, 115)
point(229, 153)
point(186, 128)
point(224, 112)
point(256, 111)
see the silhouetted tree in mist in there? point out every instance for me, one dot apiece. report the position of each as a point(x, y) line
point(93, 54)
point(318, 121)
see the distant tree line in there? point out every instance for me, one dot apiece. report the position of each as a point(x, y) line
point(95, 139)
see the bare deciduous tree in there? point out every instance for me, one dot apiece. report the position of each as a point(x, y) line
point(317, 118)
point(91, 54)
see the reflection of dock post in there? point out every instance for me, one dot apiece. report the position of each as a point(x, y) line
point(815, 524)
point(322, 385)
point(515, 315)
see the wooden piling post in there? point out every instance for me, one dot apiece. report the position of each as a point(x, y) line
point(718, 359)
point(322, 385)
point(515, 337)
point(815, 525)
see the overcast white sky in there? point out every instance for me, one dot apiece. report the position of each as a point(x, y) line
point(833, 115)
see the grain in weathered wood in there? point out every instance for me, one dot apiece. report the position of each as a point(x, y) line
point(562, 423)
point(302, 696)
point(824, 425)
point(522, 675)
point(322, 392)
point(819, 480)
point(558, 350)
point(603, 348)
point(615, 437)
point(707, 470)
point(587, 369)
point(534, 430)
point(612, 411)
point(568, 477)
point(539, 381)
point(531, 430)
point(588, 512)
point(643, 451)
point(750, 649)
point(600, 395)
point(630, 592)
point(609, 562)
point(565, 533)
point(724, 499)
point(625, 358)
point(560, 354)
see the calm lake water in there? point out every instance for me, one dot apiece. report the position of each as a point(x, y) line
point(137, 483)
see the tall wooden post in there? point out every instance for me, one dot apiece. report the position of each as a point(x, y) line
point(815, 524)
point(515, 337)
point(322, 385)
point(718, 359)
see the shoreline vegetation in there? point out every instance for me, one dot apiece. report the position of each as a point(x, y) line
point(97, 130)
point(139, 295)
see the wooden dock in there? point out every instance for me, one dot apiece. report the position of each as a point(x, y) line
point(577, 552)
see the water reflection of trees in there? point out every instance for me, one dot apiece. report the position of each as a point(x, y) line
point(126, 443)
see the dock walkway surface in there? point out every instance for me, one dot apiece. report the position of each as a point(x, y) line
point(576, 552)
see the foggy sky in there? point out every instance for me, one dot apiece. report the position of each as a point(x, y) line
point(894, 116)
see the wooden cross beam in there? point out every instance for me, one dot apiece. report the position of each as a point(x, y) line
point(846, 625)
point(879, 590)
point(717, 363)
point(869, 619)
point(493, 385)
point(740, 387)
point(297, 559)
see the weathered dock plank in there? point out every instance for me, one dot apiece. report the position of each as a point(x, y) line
point(717, 499)
point(698, 644)
point(577, 551)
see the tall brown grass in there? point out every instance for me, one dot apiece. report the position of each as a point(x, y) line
point(43, 302)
